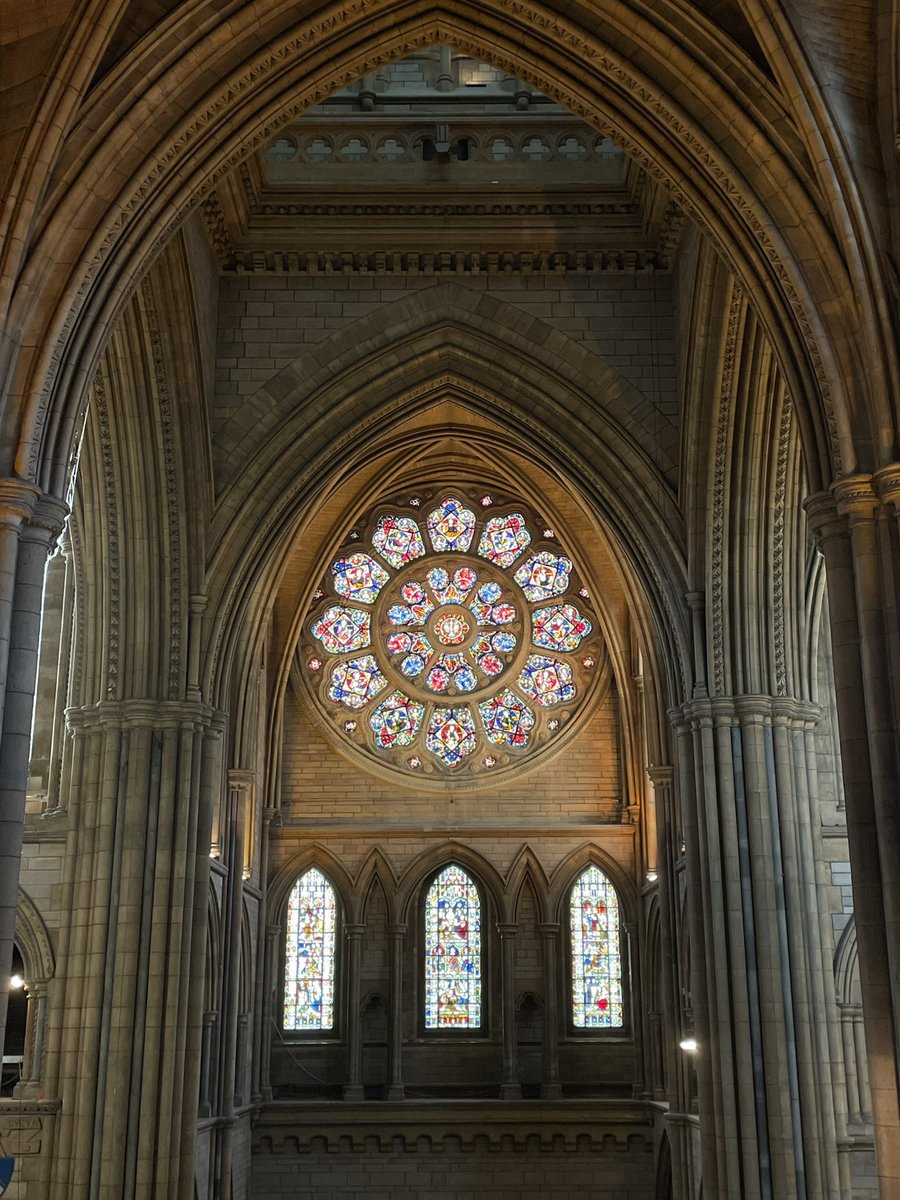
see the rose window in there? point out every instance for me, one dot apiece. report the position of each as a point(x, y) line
point(451, 642)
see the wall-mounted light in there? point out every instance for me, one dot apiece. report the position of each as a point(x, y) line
point(688, 1045)
point(652, 877)
point(16, 983)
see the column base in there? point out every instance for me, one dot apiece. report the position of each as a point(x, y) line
point(395, 1092)
point(551, 1091)
point(353, 1092)
point(510, 1091)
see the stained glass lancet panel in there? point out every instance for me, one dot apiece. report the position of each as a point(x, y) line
point(596, 953)
point(452, 952)
point(310, 954)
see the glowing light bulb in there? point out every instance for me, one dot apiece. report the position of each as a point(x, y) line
point(16, 982)
point(689, 1045)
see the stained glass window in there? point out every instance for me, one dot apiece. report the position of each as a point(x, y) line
point(461, 639)
point(342, 629)
point(398, 540)
point(451, 526)
point(358, 577)
point(544, 575)
point(561, 627)
point(452, 952)
point(356, 682)
point(596, 953)
point(504, 539)
point(546, 680)
point(310, 947)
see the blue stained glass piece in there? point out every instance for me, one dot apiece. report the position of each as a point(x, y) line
point(490, 592)
point(412, 665)
point(464, 679)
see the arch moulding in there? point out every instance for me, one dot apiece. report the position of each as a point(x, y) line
point(739, 190)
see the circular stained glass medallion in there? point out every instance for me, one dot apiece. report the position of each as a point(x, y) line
point(458, 637)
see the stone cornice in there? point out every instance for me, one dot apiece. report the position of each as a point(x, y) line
point(447, 262)
point(297, 1126)
point(296, 828)
point(28, 1108)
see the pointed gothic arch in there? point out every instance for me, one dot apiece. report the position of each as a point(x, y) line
point(739, 190)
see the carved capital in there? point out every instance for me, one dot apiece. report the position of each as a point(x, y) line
point(17, 502)
point(240, 781)
point(49, 518)
point(856, 498)
point(824, 521)
point(887, 485)
point(661, 777)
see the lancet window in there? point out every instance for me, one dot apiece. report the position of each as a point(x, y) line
point(453, 952)
point(310, 954)
point(596, 953)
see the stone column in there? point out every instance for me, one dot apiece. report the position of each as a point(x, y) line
point(30, 1086)
point(63, 663)
point(239, 785)
point(667, 853)
point(204, 1107)
point(854, 1107)
point(395, 1091)
point(270, 1005)
point(631, 951)
point(862, 1068)
point(510, 1088)
point(261, 1001)
point(353, 1088)
point(550, 1088)
point(28, 529)
point(445, 81)
point(123, 1052)
point(856, 529)
point(240, 1060)
point(771, 1115)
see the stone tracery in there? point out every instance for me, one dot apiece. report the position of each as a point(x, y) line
point(468, 629)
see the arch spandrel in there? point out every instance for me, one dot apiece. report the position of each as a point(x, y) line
point(458, 323)
point(740, 188)
point(417, 449)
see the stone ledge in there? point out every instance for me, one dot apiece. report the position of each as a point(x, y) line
point(601, 1126)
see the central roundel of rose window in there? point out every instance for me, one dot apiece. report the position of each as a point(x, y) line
point(451, 644)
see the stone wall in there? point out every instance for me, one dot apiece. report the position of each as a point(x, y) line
point(627, 320)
